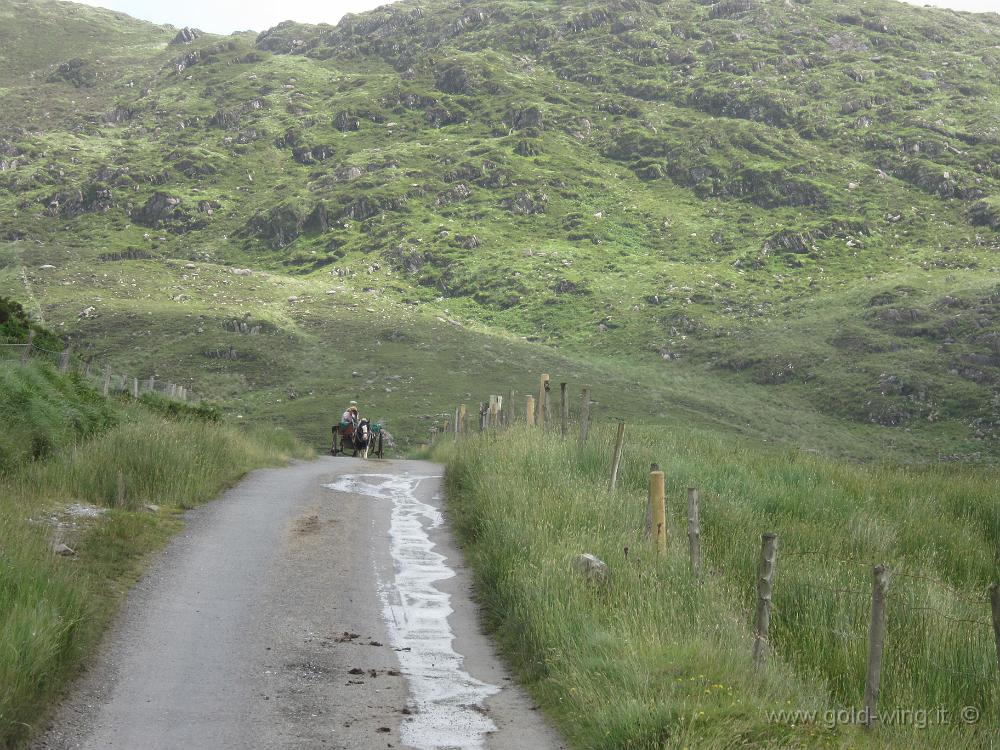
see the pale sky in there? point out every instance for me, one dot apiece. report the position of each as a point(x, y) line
point(226, 16)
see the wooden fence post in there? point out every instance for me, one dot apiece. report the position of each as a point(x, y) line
point(995, 605)
point(135, 387)
point(529, 410)
point(460, 422)
point(584, 413)
point(694, 531)
point(64, 358)
point(648, 529)
point(876, 643)
point(434, 432)
point(482, 416)
point(107, 381)
point(657, 505)
point(510, 416)
point(495, 412)
point(26, 354)
point(765, 588)
point(542, 392)
point(617, 461)
point(563, 411)
point(548, 404)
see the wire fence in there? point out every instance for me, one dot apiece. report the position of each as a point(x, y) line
point(100, 375)
point(960, 630)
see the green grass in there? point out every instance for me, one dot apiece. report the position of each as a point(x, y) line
point(656, 660)
point(43, 411)
point(732, 193)
point(121, 456)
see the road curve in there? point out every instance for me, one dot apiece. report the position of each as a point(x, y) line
point(312, 606)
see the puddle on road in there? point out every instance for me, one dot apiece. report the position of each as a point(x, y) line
point(448, 700)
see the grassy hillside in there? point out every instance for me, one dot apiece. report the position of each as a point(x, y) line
point(782, 202)
point(105, 478)
point(655, 659)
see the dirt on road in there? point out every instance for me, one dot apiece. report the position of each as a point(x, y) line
point(319, 605)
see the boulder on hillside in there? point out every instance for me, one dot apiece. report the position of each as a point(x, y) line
point(279, 227)
point(730, 8)
point(346, 121)
point(366, 207)
point(527, 117)
point(528, 147)
point(407, 258)
point(525, 203)
point(986, 213)
point(318, 221)
point(159, 208)
point(69, 202)
point(455, 80)
point(460, 192)
point(185, 36)
point(438, 117)
point(788, 241)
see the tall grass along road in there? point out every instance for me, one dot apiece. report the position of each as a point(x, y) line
point(320, 605)
point(655, 657)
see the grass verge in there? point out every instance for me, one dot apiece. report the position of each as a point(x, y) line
point(54, 609)
point(655, 659)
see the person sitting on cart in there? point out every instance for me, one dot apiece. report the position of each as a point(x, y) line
point(348, 424)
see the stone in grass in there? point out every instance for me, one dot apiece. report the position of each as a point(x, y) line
point(151, 508)
point(593, 568)
point(62, 549)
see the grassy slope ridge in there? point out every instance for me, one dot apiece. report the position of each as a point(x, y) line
point(118, 455)
point(797, 198)
point(654, 660)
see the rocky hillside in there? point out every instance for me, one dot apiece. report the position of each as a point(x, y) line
point(801, 196)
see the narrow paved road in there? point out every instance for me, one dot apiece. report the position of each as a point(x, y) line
point(323, 605)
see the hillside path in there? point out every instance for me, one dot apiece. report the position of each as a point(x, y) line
point(312, 606)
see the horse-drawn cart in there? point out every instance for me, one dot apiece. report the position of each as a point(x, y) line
point(362, 439)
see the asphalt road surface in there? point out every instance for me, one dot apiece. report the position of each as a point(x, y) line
point(323, 605)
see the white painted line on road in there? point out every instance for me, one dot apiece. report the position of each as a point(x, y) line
point(448, 701)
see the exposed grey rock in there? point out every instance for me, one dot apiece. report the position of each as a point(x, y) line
point(526, 204)
point(592, 568)
point(455, 80)
point(158, 209)
point(279, 227)
point(788, 241)
point(458, 193)
point(185, 36)
point(346, 121)
point(985, 213)
point(70, 202)
point(438, 117)
point(318, 220)
point(730, 8)
point(527, 147)
point(528, 117)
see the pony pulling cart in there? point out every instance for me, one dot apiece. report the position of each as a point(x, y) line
point(361, 440)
